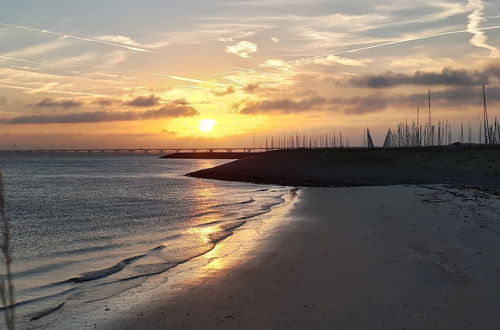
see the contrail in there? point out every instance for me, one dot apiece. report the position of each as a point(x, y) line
point(174, 77)
point(236, 81)
point(395, 42)
point(14, 59)
point(69, 36)
point(37, 90)
point(385, 44)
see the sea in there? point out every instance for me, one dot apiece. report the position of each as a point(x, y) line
point(87, 227)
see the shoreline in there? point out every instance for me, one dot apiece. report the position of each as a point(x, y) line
point(409, 257)
point(243, 241)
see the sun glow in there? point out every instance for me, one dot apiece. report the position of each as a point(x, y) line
point(226, 124)
point(207, 125)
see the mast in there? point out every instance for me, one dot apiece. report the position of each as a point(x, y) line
point(487, 137)
point(429, 100)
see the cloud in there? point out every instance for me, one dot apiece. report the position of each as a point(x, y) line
point(227, 91)
point(242, 49)
point(456, 97)
point(361, 104)
point(105, 102)
point(401, 41)
point(354, 105)
point(250, 88)
point(452, 98)
point(275, 40)
point(37, 50)
point(282, 105)
point(276, 64)
point(144, 101)
point(178, 108)
point(422, 61)
point(447, 77)
point(51, 103)
point(69, 36)
point(119, 39)
point(473, 26)
point(228, 39)
point(332, 59)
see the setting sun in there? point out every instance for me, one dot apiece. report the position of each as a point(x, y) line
point(207, 125)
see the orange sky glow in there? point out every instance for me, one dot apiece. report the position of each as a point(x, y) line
point(79, 76)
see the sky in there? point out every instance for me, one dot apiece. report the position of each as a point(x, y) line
point(131, 74)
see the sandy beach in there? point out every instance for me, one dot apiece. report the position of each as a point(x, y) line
point(394, 257)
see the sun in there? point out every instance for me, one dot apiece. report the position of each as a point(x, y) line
point(207, 125)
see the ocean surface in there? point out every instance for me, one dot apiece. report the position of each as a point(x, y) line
point(86, 227)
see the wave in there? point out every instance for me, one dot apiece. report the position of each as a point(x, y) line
point(97, 274)
point(38, 299)
point(248, 201)
point(45, 312)
point(141, 266)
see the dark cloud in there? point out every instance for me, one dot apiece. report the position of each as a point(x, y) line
point(283, 105)
point(447, 77)
point(250, 88)
point(178, 108)
point(144, 101)
point(456, 97)
point(51, 103)
point(361, 104)
point(227, 91)
point(452, 98)
point(105, 102)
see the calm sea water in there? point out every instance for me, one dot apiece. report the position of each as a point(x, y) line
point(108, 222)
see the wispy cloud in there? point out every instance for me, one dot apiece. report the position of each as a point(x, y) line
point(39, 49)
point(476, 17)
point(216, 28)
point(173, 77)
point(124, 40)
point(399, 41)
point(333, 59)
point(48, 90)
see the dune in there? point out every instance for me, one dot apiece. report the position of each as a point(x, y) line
point(477, 166)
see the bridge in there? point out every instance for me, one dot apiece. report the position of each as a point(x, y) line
point(131, 151)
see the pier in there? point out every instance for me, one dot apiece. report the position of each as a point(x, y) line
point(135, 151)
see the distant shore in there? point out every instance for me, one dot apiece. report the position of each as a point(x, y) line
point(210, 155)
point(477, 166)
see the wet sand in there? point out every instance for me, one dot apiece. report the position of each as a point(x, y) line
point(394, 257)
